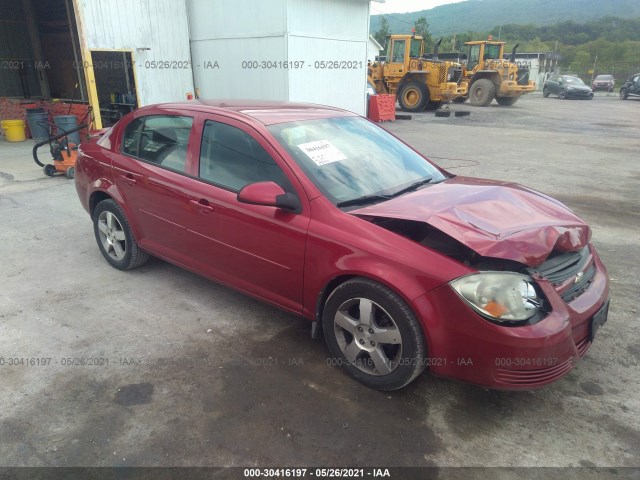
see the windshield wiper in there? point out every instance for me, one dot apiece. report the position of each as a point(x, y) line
point(363, 200)
point(412, 187)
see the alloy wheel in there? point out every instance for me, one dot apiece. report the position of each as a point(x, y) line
point(368, 336)
point(112, 235)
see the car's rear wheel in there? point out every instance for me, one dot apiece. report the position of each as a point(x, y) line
point(545, 92)
point(114, 237)
point(624, 94)
point(373, 334)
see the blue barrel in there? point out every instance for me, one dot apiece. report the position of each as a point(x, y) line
point(38, 119)
point(68, 122)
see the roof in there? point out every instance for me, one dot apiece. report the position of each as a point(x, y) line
point(264, 111)
point(375, 42)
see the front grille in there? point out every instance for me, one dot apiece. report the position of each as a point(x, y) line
point(523, 76)
point(571, 273)
point(580, 285)
point(583, 346)
point(533, 377)
point(457, 74)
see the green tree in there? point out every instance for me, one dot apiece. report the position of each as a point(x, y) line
point(383, 32)
point(422, 28)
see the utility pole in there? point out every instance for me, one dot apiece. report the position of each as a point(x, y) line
point(593, 72)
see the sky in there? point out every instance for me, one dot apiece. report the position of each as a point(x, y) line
point(401, 6)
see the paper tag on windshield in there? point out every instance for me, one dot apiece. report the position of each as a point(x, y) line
point(322, 152)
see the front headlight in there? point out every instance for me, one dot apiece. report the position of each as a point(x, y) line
point(502, 296)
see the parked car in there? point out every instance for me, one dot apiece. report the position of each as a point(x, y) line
point(603, 82)
point(318, 211)
point(631, 88)
point(566, 86)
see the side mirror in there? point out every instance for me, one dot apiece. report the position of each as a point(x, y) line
point(269, 194)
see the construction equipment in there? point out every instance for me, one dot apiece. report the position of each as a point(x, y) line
point(420, 81)
point(489, 75)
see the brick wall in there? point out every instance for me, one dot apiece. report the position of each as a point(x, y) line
point(15, 109)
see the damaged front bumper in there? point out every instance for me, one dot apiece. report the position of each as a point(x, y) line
point(464, 345)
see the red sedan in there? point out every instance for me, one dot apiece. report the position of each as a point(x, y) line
point(320, 212)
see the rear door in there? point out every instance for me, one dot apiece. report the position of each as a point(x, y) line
point(255, 248)
point(149, 173)
point(635, 85)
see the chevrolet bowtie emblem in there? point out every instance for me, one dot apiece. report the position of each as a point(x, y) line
point(578, 277)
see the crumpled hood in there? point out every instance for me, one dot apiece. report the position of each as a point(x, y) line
point(495, 219)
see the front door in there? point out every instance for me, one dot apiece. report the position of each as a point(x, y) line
point(255, 248)
point(396, 56)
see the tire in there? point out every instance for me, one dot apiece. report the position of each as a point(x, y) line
point(482, 92)
point(356, 344)
point(413, 97)
point(114, 237)
point(624, 94)
point(49, 170)
point(71, 171)
point(562, 95)
point(460, 99)
point(506, 101)
point(545, 92)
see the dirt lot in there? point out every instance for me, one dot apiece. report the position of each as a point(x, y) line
point(191, 373)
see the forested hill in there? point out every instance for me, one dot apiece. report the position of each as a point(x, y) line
point(483, 15)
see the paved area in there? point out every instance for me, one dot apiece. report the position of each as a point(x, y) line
point(158, 367)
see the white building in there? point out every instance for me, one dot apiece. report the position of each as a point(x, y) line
point(541, 65)
point(374, 49)
point(118, 55)
point(296, 50)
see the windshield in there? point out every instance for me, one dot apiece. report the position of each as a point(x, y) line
point(603, 77)
point(349, 158)
point(573, 81)
point(491, 52)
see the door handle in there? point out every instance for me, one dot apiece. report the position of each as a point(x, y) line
point(129, 179)
point(202, 205)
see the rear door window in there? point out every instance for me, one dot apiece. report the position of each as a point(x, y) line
point(159, 139)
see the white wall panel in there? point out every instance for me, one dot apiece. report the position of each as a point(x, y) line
point(339, 87)
point(160, 25)
point(213, 19)
point(231, 80)
point(233, 31)
point(342, 19)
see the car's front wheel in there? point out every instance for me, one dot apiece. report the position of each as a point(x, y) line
point(114, 237)
point(545, 92)
point(562, 93)
point(623, 94)
point(373, 334)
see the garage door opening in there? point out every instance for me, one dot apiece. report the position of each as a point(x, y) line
point(39, 38)
point(115, 84)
